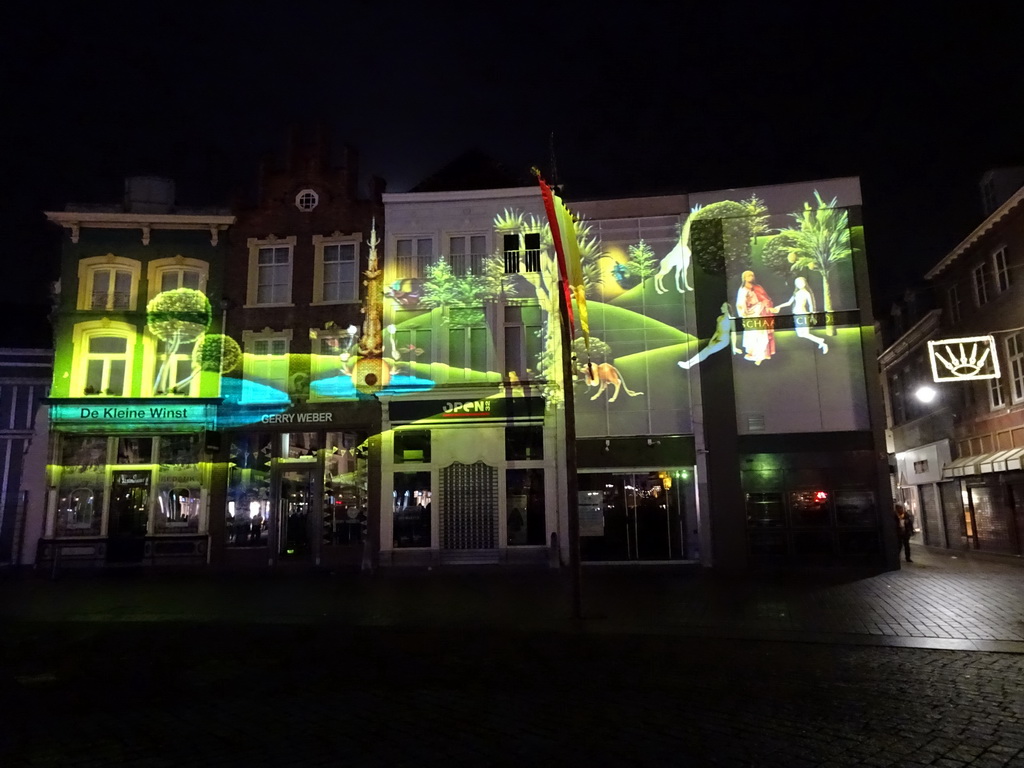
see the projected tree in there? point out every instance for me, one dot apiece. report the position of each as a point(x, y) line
point(176, 317)
point(443, 288)
point(820, 240)
point(216, 353)
point(722, 234)
point(642, 263)
point(545, 284)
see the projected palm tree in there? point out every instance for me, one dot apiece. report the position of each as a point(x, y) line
point(820, 240)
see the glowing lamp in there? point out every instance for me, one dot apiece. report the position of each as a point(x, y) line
point(925, 394)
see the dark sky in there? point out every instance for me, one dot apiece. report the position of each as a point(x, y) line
point(682, 98)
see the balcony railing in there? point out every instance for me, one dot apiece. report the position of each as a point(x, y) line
point(111, 300)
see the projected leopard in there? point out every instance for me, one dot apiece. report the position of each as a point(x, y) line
point(604, 375)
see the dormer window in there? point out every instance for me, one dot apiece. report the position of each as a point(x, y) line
point(307, 200)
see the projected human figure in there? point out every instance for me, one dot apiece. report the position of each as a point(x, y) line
point(802, 302)
point(753, 301)
point(725, 329)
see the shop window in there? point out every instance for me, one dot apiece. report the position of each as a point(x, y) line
point(249, 513)
point(108, 283)
point(104, 353)
point(765, 510)
point(524, 443)
point(856, 509)
point(134, 450)
point(811, 507)
point(412, 446)
point(524, 507)
point(411, 522)
point(809, 543)
point(345, 488)
point(179, 485)
point(300, 445)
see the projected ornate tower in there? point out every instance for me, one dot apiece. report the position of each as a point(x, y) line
point(371, 372)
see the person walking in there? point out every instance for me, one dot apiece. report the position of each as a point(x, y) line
point(904, 529)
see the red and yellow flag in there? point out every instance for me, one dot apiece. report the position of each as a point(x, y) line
point(570, 266)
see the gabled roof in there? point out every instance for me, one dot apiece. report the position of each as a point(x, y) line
point(1000, 213)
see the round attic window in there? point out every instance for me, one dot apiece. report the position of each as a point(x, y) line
point(306, 200)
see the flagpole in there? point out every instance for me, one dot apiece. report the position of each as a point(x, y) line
point(571, 479)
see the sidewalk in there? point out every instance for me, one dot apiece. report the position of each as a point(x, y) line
point(939, 601)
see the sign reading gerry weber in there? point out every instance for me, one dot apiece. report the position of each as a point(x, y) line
point(467, 409)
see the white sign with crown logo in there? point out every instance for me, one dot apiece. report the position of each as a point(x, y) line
point(966, 359)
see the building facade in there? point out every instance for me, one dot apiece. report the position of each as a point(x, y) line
point(295, 385)
point(136, 381)
point(292, 469)
point(714, 423)
point(25, 376)
point(958, 455)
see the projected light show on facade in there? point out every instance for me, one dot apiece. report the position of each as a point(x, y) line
point(419, 415)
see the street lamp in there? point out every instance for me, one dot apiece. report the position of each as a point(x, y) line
point(925, 394)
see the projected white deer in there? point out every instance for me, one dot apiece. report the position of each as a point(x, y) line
point(678, 259)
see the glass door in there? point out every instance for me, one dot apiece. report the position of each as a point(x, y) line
point(298, 519)
point(129, 515)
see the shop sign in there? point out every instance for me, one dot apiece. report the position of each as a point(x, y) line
point(467, 409)
point(134, 414)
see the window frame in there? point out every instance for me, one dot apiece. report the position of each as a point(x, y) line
point(955, 305)
point(304, 193)
point(320, 244)
point(87, 269)
point(1015, 364)
point(979, 276)
point(156, 270)
point(419, 261)
point(472, 260)
point(255, 245)
point(1000, 271)
point(249, 358)
point(996, 394)
point(82, 335)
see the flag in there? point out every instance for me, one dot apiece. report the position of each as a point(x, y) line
point(570, 266)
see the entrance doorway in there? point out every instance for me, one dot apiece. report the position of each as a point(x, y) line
point(469, 513)
point(638, 516)
point(297, 489)
point(129, 515)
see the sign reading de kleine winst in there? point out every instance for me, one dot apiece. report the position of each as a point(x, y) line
point(141, 414)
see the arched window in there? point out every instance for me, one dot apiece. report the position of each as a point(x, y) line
point(109, 283)
point(177, 272)
point(103, 358)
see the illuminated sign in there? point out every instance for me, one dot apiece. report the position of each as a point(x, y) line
point(131, 414)
point(312, 417)
point(468, 410)
point(964, 359)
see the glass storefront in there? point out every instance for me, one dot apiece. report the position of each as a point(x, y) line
point(638, 516)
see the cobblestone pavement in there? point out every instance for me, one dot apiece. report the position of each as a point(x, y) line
point(488, 669)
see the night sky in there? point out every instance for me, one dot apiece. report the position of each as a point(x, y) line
point(690, 97)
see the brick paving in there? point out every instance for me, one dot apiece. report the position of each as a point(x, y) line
point(487, 669)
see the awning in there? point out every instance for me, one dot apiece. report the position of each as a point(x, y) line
point(966, 465)
point(999, 461)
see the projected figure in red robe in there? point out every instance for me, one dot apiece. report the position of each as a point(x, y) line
point(752, 303)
